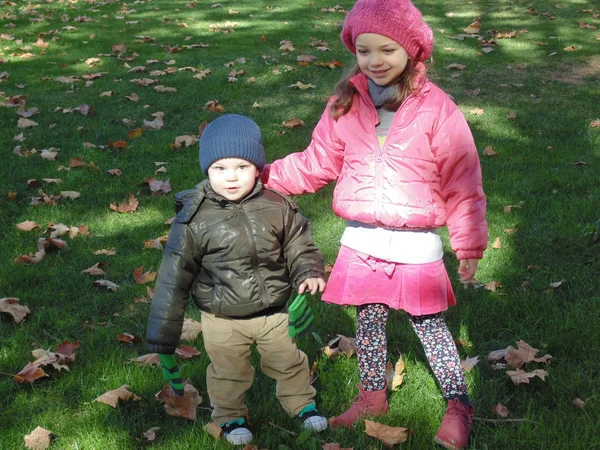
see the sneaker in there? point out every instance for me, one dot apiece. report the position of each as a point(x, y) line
point(456, 425)
point(312, 419)
point(236, 432)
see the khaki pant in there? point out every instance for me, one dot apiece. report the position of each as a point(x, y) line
point(230, 374)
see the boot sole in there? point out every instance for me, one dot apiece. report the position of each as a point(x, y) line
point(447, 445)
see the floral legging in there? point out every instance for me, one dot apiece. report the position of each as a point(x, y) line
point(440, 349)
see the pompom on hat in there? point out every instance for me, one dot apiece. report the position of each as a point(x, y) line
point(231, 136)
point(399, 20)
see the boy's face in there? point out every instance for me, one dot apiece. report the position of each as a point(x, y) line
point(232, 178)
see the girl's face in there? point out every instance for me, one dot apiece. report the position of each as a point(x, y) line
point(380, 58)
point(233, 178)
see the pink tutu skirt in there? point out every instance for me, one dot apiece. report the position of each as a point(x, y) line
point(418, 289)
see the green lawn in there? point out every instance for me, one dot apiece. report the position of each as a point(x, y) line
point(533, 99)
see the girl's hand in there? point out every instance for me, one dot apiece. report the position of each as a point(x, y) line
point(312, 285)
point(467, 268)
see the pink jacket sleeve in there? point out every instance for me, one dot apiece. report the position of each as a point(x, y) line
point(310, 170)
point(460, 177)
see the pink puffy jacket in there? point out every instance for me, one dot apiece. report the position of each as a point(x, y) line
point(426, 175)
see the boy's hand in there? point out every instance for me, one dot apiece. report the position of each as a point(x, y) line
point(312, 285)
point(467, 268)
point(170, 371)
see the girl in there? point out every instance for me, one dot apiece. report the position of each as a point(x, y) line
point(405, 164)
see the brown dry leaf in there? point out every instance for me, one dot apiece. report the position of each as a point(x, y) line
point(497, 244)
point(10, 305)
point(334, 446)
point(395, 374)
point(511, 115)
point(128, 338)
point(579, 404)
point(214, 429)
point(186, 141)
point(133, 134)
point(143, 278)
point(38, 439)
point(105, 251)
point(477, 111)
point(302, 86)
point(520, 376)
point(94, 270)
point(489, 151)
point(293, 123)
point(595, 123)
point(191, 329)
point(163, 89)
point(473, 28)
point(516, 357)
point(26, 123)
point(33, 258)
point(30, 373)
point(128, 206)
point(570, 48)
point(468, 363)
point(157, 123)
point(187, 352)
point(150, 435)
point(66, 348)
point(500, 410)
point(455, 66)
point(149, 359)
point(388, 435)
point(27, 225)
point(133, 97)
point(112, 398)
point(107, 284)
point(184, 406)
point(497, 355)
point(114, 172)
point(70, 194)
point(213, 106)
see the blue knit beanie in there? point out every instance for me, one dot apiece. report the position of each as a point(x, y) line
point(231, 136)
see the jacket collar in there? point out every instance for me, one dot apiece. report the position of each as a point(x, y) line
point(212, 195)
point(361, 83)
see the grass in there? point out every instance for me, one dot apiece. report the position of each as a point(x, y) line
point(552, 91)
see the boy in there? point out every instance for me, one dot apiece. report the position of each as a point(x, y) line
point(239, 249)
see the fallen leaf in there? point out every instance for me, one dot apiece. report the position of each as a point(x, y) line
point(157, 123)
point(477, 111)
point(128, 206)
point(38, 439)
point(29, 374)
point(26, 123)
point(520, 376)
point(28, 225)
point(468, 363)
point(293, 123)
point(489, 151)
point(143, 278)
point(128, 338)
point(497, 244)
point(112, 398)
point(187, 352)
point(70, 194)
point(579, 404)
point(150, 435)
point(176, 406)
point(395, 374)
point(388, 435)
point(149, 359)
point(595, 123)
point(94, 270)
point(107, 284)
point(214, 429)
point(105, 251)
point(191, 329)
point(500, 410)
point(11, 306)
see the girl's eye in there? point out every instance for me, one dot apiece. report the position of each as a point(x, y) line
point(388, 51)
point(244, 167)
point(362, 52)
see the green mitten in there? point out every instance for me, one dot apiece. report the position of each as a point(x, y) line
point(170, 371)
point(301, 316)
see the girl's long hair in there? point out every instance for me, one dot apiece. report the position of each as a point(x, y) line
point(344, 90)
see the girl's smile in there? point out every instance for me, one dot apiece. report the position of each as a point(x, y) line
point(380, 58)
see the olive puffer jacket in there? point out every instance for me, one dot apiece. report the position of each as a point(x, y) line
point(235, 259)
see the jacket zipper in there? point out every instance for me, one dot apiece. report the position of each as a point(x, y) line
point(259, 278)
point(378, 162)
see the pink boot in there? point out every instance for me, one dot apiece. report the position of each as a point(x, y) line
point(456, 426)
point(367, 403)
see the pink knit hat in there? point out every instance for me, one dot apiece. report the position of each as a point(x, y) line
point(399, 20)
